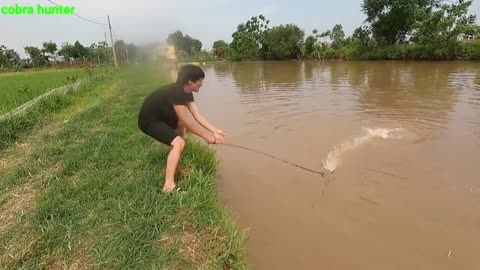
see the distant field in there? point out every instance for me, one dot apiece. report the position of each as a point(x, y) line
point(19, 87)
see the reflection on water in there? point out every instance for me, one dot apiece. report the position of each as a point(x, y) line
point(248, 77)
point(409, 93)
point(257, 77)
point(283, 76)
point(421, 93)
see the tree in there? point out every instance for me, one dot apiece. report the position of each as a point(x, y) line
point(220, 48)
point(196, 45)
point(3, 58)
point(74, 52)
point(36, 56)
point(178, 40)
point(247, 39)
point(185, 43)
point(309, 46)
point(8, 57)
point(67, 52)
point(392, 20)
point(79, 51)
point(361, 36)
point(121, 50)
point(440, 24)
point(99, 52)
point(50, 48)
point(12, 58)
point(125, 52)
point(337, 36)
point(282, 42)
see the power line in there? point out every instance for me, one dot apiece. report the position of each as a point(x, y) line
point(99, 23)
point(83, 18)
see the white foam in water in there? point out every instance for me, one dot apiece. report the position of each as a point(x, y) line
point(334, 157)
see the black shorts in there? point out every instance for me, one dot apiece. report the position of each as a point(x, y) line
point(160, 131)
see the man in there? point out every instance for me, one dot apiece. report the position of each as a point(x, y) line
point(164, 117)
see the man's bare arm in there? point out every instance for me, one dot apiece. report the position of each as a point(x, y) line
point(199, 118)
point(182, 114)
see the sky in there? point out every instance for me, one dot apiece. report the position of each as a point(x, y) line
point(146, 21)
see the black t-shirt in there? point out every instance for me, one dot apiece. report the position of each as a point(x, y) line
point(158, 106)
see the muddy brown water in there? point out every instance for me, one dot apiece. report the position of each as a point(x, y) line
point(403, 138)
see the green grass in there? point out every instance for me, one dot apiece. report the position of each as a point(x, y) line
point(12, 128)
point(97, 200)
point(20, 87)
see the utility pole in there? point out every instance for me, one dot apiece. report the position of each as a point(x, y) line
point(113, 44)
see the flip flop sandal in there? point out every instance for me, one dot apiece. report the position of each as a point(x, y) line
point(176, 189)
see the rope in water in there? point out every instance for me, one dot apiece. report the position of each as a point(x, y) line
point(272, 156)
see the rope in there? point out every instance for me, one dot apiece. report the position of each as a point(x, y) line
point(323, 174)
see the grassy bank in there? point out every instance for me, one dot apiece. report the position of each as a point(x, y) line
point(20, 87)
point(88, 195)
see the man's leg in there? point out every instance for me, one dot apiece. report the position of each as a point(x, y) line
point(172, 161)
point(167, 135)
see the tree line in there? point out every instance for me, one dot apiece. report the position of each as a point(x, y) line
point(393, 29)
point(50, 54)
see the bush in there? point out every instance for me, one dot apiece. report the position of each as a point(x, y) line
point(18, 68)
point(455, 51)
point(469, 50)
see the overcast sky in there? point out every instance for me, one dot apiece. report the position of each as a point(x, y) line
point(145, 21)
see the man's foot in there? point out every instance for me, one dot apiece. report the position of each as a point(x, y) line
point(174, 189)
point(168, 188)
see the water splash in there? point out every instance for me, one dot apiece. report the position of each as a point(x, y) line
point(334, 157)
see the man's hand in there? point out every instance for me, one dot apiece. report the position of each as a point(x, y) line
point(210, 139)
point(215, 138)
point(219, 138)
point(217, 133)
